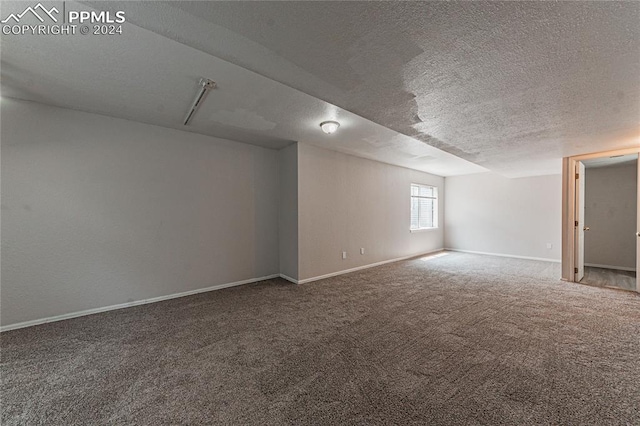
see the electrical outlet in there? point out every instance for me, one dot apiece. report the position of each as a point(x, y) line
point(549, 245)
point(361, 250)
point(344, 254)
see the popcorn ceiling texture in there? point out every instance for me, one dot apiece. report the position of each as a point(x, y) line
point(146, 77)
point(512, 86)
point(450, 340)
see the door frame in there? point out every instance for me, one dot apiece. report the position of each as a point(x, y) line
point(569, 206)
point(580, 172)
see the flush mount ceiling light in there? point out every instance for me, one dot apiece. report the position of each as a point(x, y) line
point(205, 85)
point(329, 126)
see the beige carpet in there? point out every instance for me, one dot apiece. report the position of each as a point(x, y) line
point(455, 339)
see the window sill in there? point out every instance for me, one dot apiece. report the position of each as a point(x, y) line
point(422, 229)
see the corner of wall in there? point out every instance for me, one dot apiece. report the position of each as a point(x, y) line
point(288, 212)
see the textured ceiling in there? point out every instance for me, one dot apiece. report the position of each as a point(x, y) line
point(143, 76)
point(512, 86)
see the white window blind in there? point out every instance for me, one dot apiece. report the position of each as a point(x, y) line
point(424, 207)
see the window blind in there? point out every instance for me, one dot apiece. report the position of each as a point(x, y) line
point(424, 206)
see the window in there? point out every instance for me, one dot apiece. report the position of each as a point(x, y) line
point(424, 207)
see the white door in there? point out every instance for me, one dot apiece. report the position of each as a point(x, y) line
point(638, 232)
point(579, 225)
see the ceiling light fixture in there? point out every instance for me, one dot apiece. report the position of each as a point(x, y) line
point(329, 126)
point(205, 85)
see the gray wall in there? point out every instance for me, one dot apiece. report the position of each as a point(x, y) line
point(492, 214)
point(346, 203)
point(288, 211)
point(99, 211)
point(611, 213)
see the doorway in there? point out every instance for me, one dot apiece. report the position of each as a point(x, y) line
point(601, 219)
point(609, 212)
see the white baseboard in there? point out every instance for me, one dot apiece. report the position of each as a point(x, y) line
point(359, 268)
point(130, 304)
point(619, 268)
point(288, 278)
point(543, 259)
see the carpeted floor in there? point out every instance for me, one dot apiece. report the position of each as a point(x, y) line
point(451, 339)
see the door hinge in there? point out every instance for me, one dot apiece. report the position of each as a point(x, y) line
point(576, 223)
point(577, 176)
point(575, 270)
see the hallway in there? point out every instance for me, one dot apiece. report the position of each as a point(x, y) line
point(612, 278)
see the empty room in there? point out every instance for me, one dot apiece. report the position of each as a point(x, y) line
point(319, 212)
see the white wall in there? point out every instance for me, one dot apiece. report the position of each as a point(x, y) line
point(98, 211)
point(611, 214)
point(346, 203)
point(492, 214)
point(288, 211)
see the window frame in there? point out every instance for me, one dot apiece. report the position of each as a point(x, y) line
point(435, 197)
